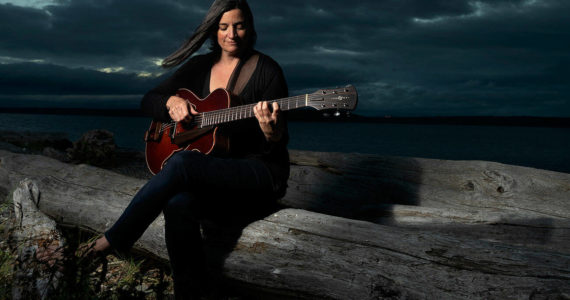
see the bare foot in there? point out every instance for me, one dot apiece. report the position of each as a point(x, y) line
point(99, 246)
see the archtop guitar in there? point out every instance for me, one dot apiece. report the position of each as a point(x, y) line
point(163, 139)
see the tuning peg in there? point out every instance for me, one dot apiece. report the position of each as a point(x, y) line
point(326, 114)
point(337, 113)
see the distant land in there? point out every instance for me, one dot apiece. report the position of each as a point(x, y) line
point(317, 116)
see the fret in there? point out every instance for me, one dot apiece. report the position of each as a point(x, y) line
point(246, 111)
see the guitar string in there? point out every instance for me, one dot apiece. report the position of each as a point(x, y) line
point(228, 114)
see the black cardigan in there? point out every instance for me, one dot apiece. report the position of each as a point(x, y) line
point(247, 140)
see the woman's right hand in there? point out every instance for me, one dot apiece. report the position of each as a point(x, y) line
point(179, 109)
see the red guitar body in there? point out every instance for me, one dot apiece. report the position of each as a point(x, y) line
point(165, 139)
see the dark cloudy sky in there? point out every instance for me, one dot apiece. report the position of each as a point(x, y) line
point(405, 57)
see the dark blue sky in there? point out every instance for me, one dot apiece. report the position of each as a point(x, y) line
point(406, 58)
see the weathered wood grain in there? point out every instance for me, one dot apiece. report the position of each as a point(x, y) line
point(480, 199)
point(312, 254)
point(427, 228)
point(33, 233)
point(473, 191)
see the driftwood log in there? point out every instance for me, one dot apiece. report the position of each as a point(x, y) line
point(363, 226)
point(33, 232)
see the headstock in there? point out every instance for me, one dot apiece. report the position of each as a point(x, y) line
point(339, 99)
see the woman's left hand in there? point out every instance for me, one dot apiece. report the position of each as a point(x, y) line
point(270, 121)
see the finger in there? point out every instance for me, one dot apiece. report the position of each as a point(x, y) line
point(266, 109)
point(263, 106)
point(276, 110)
point(183, 111)
point(179, 115)
point(256, 111)
point(173, 115)
point(174, 101)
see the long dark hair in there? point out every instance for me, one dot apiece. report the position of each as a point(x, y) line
point(209, 28)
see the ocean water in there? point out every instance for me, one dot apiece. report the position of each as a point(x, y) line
point(539, 147)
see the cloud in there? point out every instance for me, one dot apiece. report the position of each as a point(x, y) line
point(433, 57)
point(47, 79)
point(96, 33)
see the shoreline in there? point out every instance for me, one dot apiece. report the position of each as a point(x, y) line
point(131, 161)
point(317, 116)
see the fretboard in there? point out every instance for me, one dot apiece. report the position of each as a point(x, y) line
point(230, 114)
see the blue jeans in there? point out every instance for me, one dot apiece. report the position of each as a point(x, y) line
point(192, 186)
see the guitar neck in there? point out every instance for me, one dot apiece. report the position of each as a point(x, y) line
point(217, 117)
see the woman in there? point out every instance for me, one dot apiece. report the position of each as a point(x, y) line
point(192, 184)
